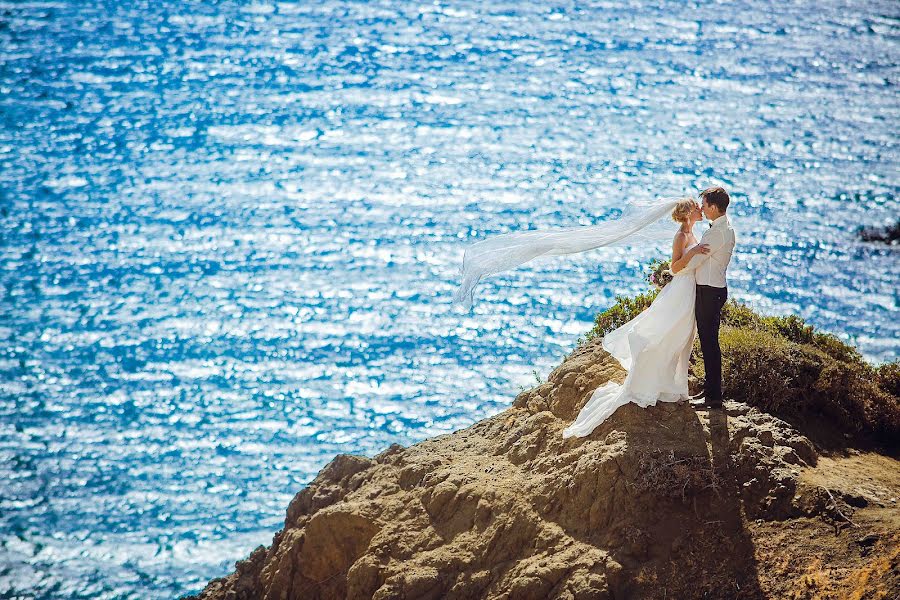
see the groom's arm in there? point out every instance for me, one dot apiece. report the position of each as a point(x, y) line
point(715, 239)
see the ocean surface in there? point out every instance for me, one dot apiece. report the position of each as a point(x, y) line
point(230, 232)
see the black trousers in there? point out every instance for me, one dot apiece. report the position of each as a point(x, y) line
point(708, 311)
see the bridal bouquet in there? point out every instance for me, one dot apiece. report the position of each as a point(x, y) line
point(659, 274)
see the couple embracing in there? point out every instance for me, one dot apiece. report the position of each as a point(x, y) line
point(655, 346)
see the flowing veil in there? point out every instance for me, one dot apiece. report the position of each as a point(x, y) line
point(507, 251)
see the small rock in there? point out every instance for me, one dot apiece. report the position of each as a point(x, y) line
point(868, 540)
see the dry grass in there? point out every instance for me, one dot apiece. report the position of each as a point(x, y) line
point(665, 475)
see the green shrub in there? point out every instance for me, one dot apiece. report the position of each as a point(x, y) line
point(766, 371)
point(795, 329)
point(791, 328)
point(888, 377)
point(740, 315)
point(838, 350)
point(803, 384)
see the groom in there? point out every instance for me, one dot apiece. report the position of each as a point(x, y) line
point(711, 289)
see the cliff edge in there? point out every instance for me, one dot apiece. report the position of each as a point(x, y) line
point(662, 502)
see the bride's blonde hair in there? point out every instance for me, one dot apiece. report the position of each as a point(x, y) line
point(683, 209)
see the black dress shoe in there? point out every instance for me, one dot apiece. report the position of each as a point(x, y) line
point(705, 403)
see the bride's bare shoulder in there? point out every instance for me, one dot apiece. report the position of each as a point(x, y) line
point(683, 239)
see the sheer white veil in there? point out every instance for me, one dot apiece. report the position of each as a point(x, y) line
point(509, 250)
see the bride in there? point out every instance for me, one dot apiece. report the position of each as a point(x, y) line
point(655, 347)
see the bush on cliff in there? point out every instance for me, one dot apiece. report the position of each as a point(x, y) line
point(782, 365)
point(806, 385)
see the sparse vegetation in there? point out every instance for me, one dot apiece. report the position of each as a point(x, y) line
point(665, 475)
point(537, 379)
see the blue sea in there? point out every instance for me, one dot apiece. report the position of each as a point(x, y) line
point(231, 232)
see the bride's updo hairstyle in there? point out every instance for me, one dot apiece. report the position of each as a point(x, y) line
point(683, 209)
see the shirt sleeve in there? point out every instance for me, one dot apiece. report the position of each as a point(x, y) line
point(715, 239)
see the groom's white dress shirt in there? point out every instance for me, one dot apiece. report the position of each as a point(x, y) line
point(710, 268)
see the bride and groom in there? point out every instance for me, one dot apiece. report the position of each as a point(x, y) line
point(654, 347)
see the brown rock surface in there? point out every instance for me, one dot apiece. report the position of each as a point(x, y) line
point(662, 502)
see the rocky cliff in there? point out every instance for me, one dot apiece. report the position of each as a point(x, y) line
point(663, 502)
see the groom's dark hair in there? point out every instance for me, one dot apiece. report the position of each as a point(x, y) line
point(716, 196)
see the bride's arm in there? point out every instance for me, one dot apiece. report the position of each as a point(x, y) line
point(712, 240)
point(680, 257)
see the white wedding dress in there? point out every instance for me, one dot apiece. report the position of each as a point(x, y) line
point(655, 347)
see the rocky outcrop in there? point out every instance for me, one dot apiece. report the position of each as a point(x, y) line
point(889, 234)
point(656, 502)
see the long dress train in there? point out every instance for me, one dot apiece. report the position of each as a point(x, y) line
point(655, 348)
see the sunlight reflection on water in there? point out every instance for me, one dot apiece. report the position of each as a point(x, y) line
point(231, 233)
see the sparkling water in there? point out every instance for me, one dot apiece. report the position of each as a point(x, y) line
point(231, 232)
